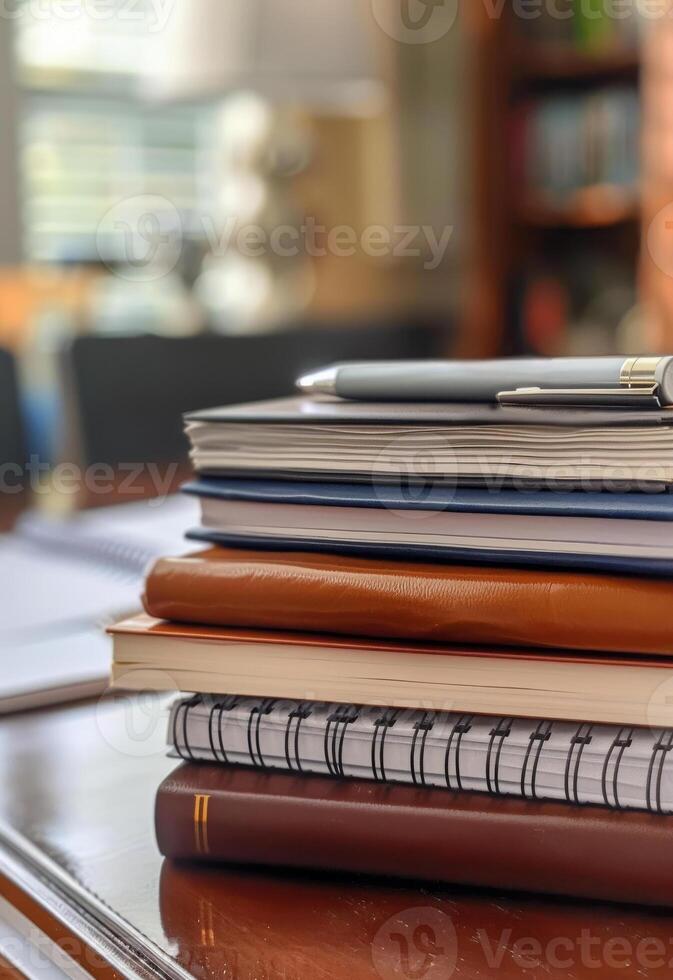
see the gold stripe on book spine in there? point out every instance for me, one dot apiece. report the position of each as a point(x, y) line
point(201, 823)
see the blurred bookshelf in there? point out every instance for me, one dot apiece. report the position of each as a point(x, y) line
point(558, 181)
point(538, 62)
point(600, 206)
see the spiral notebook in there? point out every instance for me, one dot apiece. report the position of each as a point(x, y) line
point(620, 767)
point(62, 582)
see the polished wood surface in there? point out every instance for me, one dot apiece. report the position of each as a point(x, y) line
point(79, 783)
point(11, 508)
point(9, 972)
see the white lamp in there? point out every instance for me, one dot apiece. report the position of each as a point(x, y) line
point(318, 54)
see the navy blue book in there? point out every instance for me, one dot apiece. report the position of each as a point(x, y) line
point(630, 533)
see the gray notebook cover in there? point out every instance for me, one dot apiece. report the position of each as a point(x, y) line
point(328, 411)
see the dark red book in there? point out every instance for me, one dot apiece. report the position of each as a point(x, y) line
point(241, 816)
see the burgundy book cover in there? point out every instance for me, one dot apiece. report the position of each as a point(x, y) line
point(216, 814)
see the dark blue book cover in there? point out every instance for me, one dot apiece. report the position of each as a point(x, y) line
point(656, 506)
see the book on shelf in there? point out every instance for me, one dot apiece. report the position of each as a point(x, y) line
point(583, 27)
point(563, 144)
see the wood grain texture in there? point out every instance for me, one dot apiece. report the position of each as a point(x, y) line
point(79, 783)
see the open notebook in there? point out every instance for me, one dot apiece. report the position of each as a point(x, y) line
point(62, 582)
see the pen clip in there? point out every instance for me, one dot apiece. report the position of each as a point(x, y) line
point(644, 396)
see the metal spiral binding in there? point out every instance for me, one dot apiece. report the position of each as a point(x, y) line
point(228, 704)
point(299, 714)
point(580, 740)
point(183, 709)
point(537, 738)
point(425, 725)
point(622, 742)
point(462, 727)
point(126, 558)
point(382, 725)
point(659, 755)
point(256, 714)
point(502, 731)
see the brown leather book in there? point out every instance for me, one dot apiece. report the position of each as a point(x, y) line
point(422, 602)
point(217, 814)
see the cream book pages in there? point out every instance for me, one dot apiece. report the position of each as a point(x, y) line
point(591, 690)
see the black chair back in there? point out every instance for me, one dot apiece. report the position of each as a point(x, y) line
point(12, 445)
point(129, 393)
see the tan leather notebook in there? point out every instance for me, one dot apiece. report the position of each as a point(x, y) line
point(456, 604)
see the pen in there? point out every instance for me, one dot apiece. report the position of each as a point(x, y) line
point(518, 381)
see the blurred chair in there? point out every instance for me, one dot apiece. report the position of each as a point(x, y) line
point(12, 444)
point(126, 395)
point(12, 447)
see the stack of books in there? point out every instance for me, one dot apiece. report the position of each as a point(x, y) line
point(428, 640)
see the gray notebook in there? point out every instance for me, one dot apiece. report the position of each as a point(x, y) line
point(420, 443)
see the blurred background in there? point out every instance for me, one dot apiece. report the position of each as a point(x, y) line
point(201, 199)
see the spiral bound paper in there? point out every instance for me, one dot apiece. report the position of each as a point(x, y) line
point(126, 559)
point(612, 766)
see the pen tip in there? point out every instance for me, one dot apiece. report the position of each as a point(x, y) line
point(318, 382)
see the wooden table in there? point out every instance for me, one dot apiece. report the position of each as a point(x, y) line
point(79, 862)
point(11, 508)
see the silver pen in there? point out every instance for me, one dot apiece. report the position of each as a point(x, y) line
point(569, 381)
